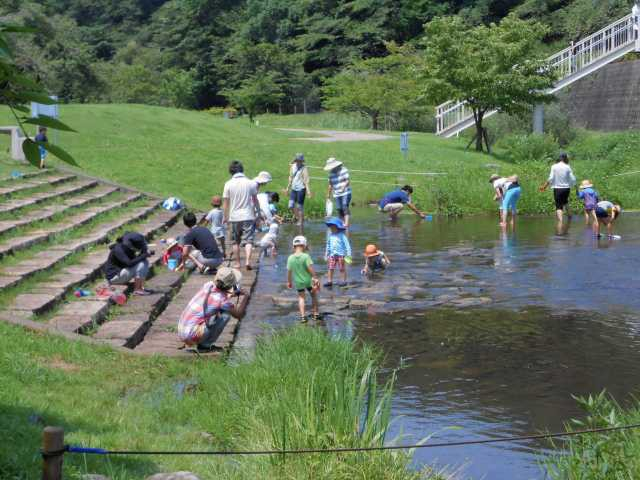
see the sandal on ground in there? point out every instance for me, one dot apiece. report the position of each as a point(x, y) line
point(328, 285)
point(142, 293)
point(303, 319)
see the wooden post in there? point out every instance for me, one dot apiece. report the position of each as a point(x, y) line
point(52, 441)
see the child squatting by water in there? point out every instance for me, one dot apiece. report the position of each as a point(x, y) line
point(302, 276)
point(374, 260)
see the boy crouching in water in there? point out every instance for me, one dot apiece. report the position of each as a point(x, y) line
point(301, 276)
point(374, 260)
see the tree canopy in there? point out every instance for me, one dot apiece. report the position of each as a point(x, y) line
point(188, 53)
point(495, 67)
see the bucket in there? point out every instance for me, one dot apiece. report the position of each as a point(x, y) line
point(172, 264)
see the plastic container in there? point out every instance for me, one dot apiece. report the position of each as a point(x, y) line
point(428, 218)
point(172, 264)
point(328, 207)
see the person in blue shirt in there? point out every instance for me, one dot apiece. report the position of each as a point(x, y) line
point(393, 202)
point(41, 137)
point(590, 200)
point(338, 251)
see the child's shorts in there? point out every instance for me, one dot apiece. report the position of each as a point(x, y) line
point(335, 261)
point(308, 289)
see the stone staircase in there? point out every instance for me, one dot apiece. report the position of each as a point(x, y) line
point(55, 228)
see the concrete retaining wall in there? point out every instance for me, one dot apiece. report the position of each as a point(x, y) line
point(608, 100)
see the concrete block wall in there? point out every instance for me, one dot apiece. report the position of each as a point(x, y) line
point(607, 100)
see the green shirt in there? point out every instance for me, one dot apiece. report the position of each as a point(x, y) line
point(298, 264)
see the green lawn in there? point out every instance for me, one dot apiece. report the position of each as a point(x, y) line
point(186, 154)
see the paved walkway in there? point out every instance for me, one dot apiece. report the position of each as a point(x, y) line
point(337, 135)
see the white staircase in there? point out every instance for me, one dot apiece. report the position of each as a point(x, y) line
point(571, 64)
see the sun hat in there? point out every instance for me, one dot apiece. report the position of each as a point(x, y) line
point(371, 250)
point(493, 177)
point(298, 158)
point(228, 277)
point(216, 200)
point(332, 163)
point(300, 241)
point(262, 178)
point(585, 184)
point(336, 222)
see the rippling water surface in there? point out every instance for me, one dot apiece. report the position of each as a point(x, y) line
point(494, 331)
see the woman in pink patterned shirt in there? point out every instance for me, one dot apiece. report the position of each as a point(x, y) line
point(206, 315)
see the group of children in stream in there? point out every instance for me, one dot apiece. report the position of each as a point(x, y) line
point(561, 180)
point(301, 275)
point(244, 195)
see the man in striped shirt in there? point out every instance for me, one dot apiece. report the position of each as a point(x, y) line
point(340, 186)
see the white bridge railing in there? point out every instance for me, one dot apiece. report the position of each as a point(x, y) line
point(570, 64)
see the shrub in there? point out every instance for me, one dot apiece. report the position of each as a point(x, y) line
point(530, 148)
point(445, 203)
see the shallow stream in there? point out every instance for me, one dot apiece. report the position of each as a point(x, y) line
point(494, 331)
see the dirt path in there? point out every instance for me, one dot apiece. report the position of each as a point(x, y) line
point(337, 135)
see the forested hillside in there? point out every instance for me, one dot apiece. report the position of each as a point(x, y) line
point(192, 53)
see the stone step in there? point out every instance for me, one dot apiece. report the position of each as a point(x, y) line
point(40, 236)
point(10, 206)
point(49, 212)
point(88, 269)
point(24, 185)
point(27, 268)
point(45, 171)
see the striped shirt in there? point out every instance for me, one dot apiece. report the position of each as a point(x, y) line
point(339, 182)
point(338, 245)
point(193, 321)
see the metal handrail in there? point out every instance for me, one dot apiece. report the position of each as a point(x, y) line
point(567, 62)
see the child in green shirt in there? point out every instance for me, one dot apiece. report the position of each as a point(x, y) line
point(301, 276)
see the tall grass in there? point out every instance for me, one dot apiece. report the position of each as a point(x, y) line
point(302, 390)
point(612, 455)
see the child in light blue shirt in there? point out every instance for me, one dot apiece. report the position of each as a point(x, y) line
point(338, 251)
point(214, 218)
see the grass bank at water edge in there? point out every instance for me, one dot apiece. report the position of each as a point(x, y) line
point(186, 154)
point(302, 389)
point(612, 455)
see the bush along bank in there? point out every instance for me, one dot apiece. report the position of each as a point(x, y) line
point(302, 389)
point(614, 455)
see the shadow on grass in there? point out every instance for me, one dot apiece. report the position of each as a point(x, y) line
point(20, 457)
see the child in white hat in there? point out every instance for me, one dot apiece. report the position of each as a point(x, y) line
point(302, 276)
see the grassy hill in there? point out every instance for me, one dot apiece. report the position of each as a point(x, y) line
point(186, 153)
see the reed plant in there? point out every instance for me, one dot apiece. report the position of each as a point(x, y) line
point(611, 455)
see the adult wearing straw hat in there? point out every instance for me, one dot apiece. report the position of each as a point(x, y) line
point(298, 187)
point(340, 187)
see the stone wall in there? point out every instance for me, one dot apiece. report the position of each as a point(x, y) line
point(607, 100)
